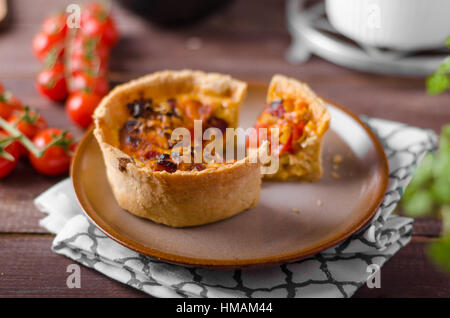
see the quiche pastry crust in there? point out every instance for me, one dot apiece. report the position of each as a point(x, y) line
point(305, 163)
point(182, 198)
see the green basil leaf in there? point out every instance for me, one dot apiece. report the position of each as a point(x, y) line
point(423, 173)
point(418, 205)
point(437, 83)
point(440, 190)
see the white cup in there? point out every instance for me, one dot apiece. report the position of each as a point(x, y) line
point(404, 25)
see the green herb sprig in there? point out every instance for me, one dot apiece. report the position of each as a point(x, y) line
point(428, 193)
point(439, 81)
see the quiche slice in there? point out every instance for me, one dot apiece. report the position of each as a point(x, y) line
point(133, 126)
point(302, 119)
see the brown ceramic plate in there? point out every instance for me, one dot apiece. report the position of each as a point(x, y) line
point(271, 233)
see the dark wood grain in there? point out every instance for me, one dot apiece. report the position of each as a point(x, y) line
point(248, 39)
point(28, 268)
point(41, 273)
point(410, 274)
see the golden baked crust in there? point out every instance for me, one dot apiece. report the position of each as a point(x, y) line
point(303, 162)
point(182, 198)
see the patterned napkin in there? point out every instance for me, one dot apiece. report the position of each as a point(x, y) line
point(336, 272)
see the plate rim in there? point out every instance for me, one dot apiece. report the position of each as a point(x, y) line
point(242, 263)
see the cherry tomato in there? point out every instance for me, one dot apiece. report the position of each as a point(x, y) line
point(1, 87)
point(52, 82)
point(51, 37)
point(55, 25)
point(97, 22)
point(6, 165)
point(110, 34)
point(8, 104)
point(89, 48)
point(43, 44)
point(85, 82)
point(28, 122)
point(80, 106)
point(79, 63)
point(56, 159)
point(105, 30)
point(94, 9)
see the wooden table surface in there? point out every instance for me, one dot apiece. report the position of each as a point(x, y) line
point(248, 39)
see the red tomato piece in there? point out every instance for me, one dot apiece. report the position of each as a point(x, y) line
point(287, 146)
point(298, 131)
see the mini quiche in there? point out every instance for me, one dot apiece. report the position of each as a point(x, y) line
point(302, 119)
point(133, 126)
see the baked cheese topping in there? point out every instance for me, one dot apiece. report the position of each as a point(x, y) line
point(146, 135)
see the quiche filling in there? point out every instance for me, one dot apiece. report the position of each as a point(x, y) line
point(290, 116)
point(146, 134)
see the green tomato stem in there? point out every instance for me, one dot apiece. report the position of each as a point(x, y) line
point(27, 143)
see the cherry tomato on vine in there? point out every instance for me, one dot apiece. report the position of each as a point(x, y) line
point(9, 154)
point(52, 36)
point(103, 29)
point(8, 104)
point(96, 21)
point(52, 82)
point(28, 122)
point(110, 34)
point(81, 64)
point(80, 106)
point(89, 48)
point(84, 82)
point(44, 44)
point(56, 159)
point(55, 25)
point(94, 9)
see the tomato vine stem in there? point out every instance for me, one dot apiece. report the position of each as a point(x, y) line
point(27, 143)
